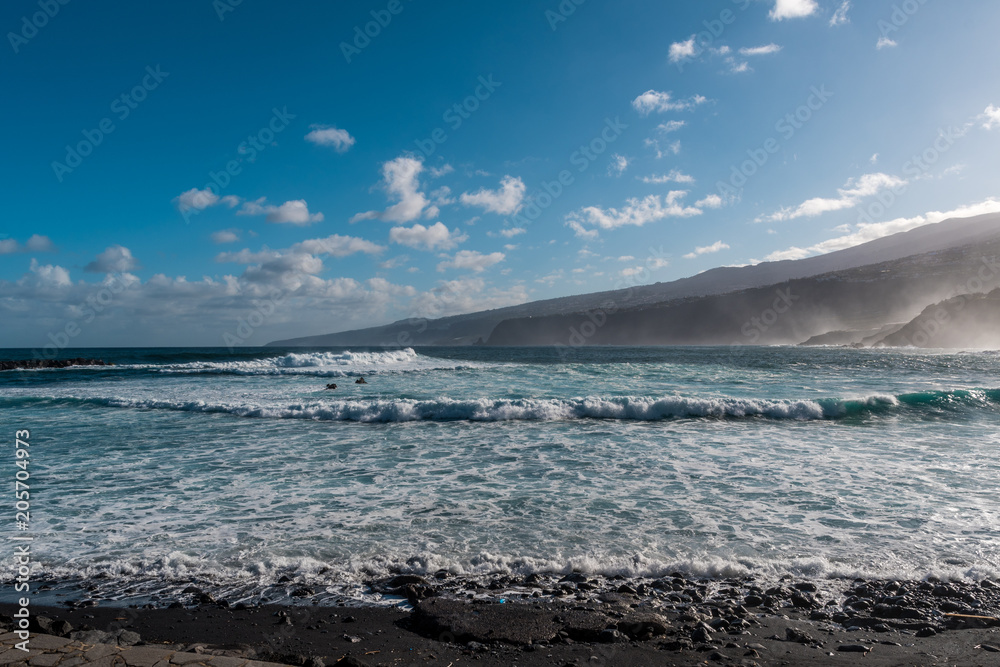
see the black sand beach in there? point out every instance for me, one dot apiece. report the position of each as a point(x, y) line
point(576, 620)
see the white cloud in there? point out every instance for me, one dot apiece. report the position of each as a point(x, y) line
point(682, 50)
point(884, 43)
point(327, 135)
point(637, 212)
point(114, 259)
point(671, 126)
point(436, 236)
point(990, 117)
point(738, 67)
point(337, 246)
point(437, 172)
point(472, 260)
point(873, 159)
point(401, 180)
point(39, 243)
point(850, 195)
point(46, 276)
point(506, 200)
point(652, 100)
point(840, 16)
point(792, 9)
point(711, 201)
point(707, 250)
point(765, 50)
point(675, 176)
point(865, 232)
point(226, 236)
point(294, 212)
point(619, 163)
point(35, 243)
point(511, 232)
point(199, 200)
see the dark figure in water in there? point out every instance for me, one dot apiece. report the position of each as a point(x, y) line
point(360, 381)
point(331, 386)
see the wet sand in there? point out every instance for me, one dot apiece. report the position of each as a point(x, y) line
point(874, 623)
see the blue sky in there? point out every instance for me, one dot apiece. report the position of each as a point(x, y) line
point(174, 168)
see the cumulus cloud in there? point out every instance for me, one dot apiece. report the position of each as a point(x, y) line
point(682, 50)
point(865, 232)
point(401, 181)
point(434, 237)
point(46, 276)
point(337, 246)
point(671, 126)
point(35, 243)
point(793, 9)
point(990, 117)
point(637, 212)
point(885, 43)
point(114, 259)
point(618, 165)
point(327, 135)
point(675, 176)
point(711, 201)
point(707, 250)
point(504, 201)
point(659, 102)
point(199, 200)
point(840, 16)
point(765, 50)
point(471, 260)
point(293, 212)
point(850, 195)
point(226, 236)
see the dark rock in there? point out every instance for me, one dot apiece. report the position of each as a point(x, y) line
point(926, 631)
point(753, 601)
point(854, 648)
point(804, 602)
point(351, 661)
point(701, 635)
point(175, 605)
point(62, 628)
point(303, 592)
point(805, 587)
point(354, 639)
point(191, 589)
point(402, 580)
point(798, 636)
point(41, 624)
point(990, 648)
point(9, 365)
point(610, 636)
point(284, 579)
point(128, 638)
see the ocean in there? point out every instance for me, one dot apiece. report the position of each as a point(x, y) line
point(239, 473)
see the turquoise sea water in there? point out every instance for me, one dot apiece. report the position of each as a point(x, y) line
point(181, 465)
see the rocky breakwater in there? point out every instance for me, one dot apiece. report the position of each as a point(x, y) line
point(13, 364)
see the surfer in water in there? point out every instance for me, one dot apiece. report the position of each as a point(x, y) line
point(331, 386)
point(360, 380)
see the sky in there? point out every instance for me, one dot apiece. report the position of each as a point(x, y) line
point(231, 172)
